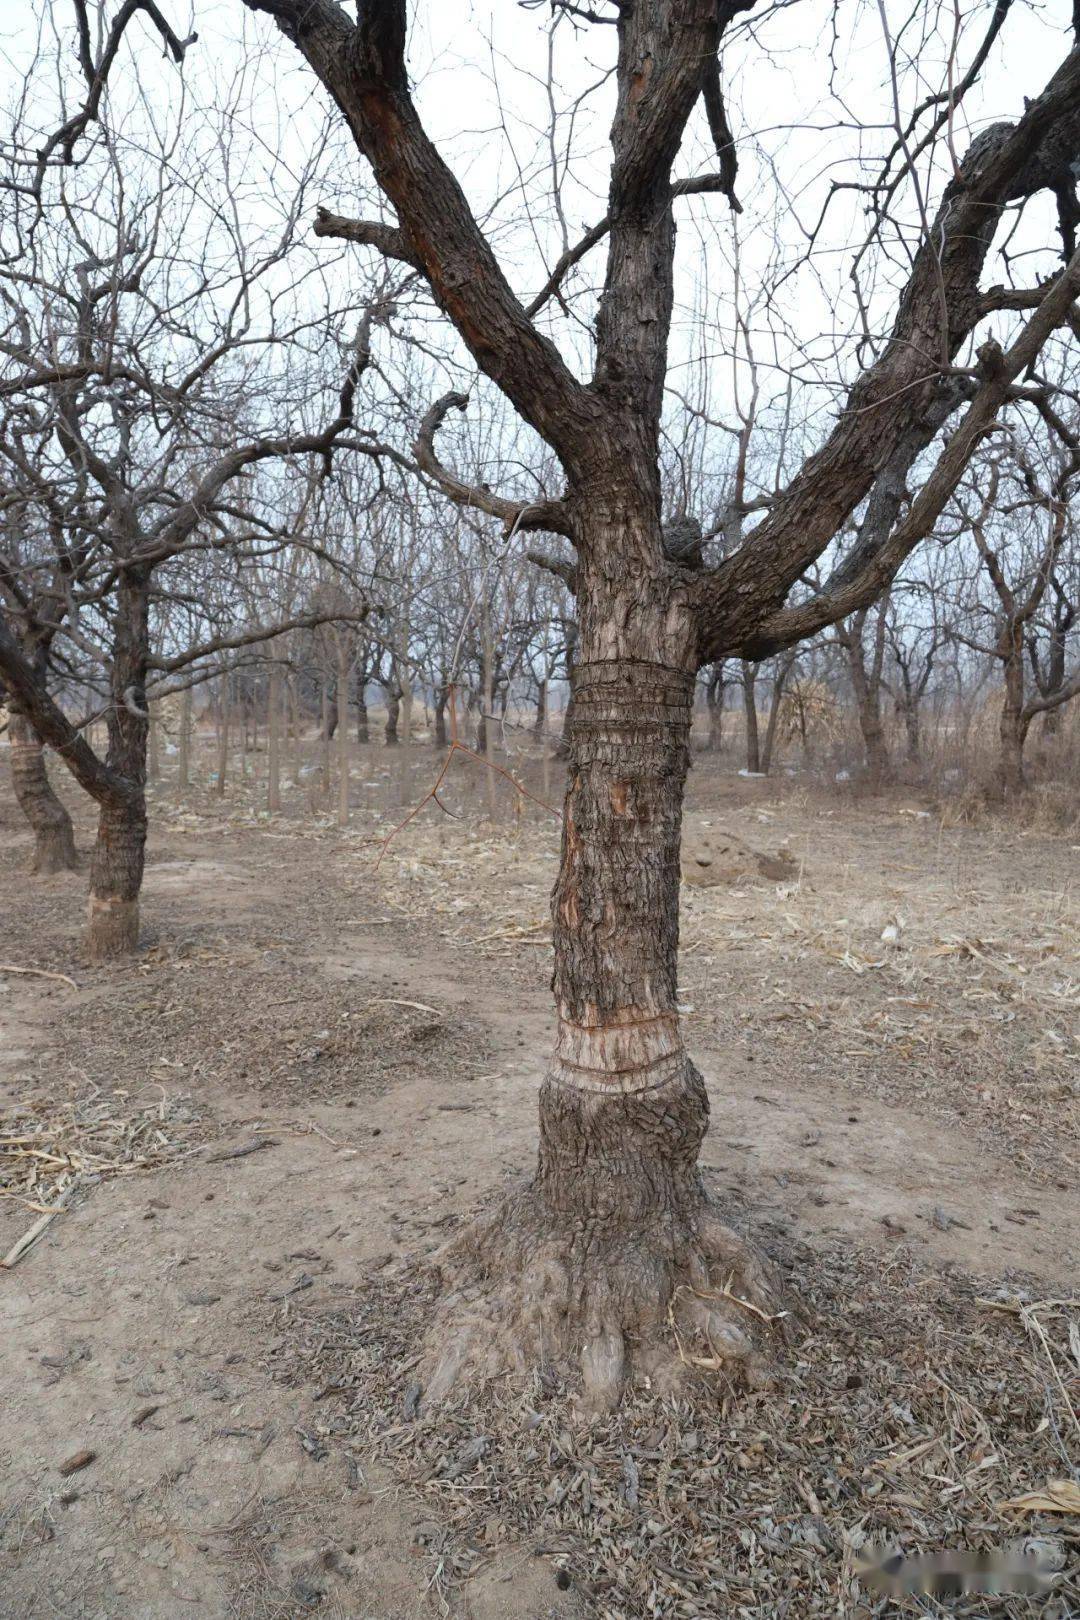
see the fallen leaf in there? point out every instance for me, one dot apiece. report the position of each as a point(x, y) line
point(1056, 1496)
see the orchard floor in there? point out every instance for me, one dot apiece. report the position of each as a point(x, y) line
point(895, 1117)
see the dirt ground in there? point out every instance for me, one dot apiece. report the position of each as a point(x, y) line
point(315, 1068)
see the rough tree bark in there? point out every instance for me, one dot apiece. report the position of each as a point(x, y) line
point(54, 836)
point(183, 764)
point(442, 698)
point(783, 669)
point(116, 868)
point(49, 822)
point(866, 684)
point(330, 714)
point(540, 721)
point(749, 691)
point(715, 687)
point(273, 740)
point(910, 713)
point(393, 713)
point(613, 1241)
point(1013, 722)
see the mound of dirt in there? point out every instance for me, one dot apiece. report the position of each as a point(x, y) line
point(712, 858)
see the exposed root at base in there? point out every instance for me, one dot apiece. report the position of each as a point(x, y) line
point(526, 1289)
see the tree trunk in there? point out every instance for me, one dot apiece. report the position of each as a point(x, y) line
point(753, 746)
point(116, 870)
point(363, 734)
point(222, 738)
point(1051, 723)
point(487, 707)
point(714, 705)
point(324, 736)
point(1012, 729)
point(873, 736)
point(442, 697)
point(866, 685)
point(393, 711)
point(405, 758)
point(613, 1239)
point(783, 670)
point(183, 764)
point(295, 721)
point(343, 733)
point(273, 741)
point(540, 723)
point(246, 743)
point(54, 836)
point(912, 729)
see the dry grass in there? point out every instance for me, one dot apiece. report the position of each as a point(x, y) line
point(906, 1418)
point(925, 963)
point(52, 1142)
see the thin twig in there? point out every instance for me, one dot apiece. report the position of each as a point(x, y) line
point(38, 973)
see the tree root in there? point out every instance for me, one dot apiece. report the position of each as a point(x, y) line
point(528, 1288)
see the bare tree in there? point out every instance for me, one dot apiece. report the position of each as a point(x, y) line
point(866, 668)
point(1021, 580)
point(615, 1220)
point(913, 651)
point(614, 1235)
point(39, 605)
point(121, 463)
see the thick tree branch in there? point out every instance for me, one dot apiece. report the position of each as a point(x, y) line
point(720, 130)
point(363, 67)
point(96, 74)
point(938, 310)
point(249, 638)
point(1053, 700)
point(793, 624)
point(549, 515)
point(561, 567)
point(391, 243)
point(53, 725)
point(665, 49)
